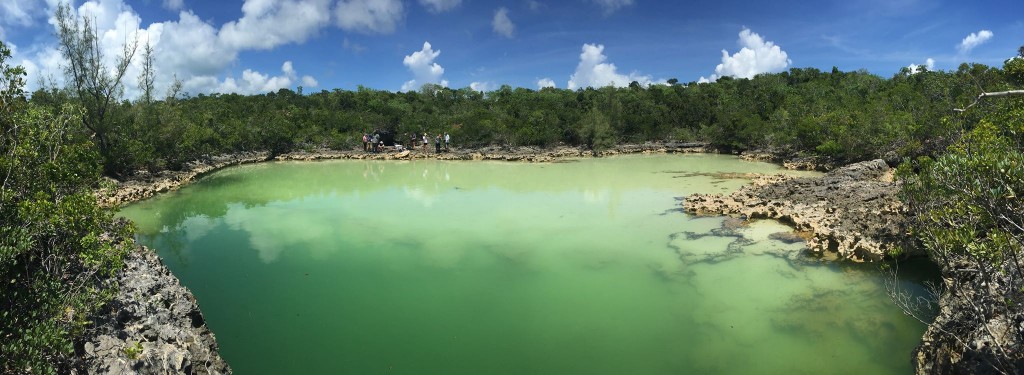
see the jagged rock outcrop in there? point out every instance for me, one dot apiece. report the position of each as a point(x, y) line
point(152, 326)
point(978, 327)
point(851, 212)
point(789, 160)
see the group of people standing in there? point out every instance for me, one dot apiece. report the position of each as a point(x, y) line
point(425, 139)
point(372, 143)
point(375, 143)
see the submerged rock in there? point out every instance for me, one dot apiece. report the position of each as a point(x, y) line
point(152, 326)
point(787, 237)
point(851, 211)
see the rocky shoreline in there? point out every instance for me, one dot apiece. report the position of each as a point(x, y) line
point(146, 185)
point(853, 213)
point(957, 341)
point(152, 326)
point(850, 213)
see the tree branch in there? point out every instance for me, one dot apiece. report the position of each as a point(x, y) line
point(990, 95)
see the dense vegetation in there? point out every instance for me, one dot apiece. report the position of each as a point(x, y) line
point(968, 213)
point(57, 246)
point(840, 116)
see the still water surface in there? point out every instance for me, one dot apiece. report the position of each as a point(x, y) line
point(585, 267)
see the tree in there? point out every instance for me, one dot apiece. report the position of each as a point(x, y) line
point(95, 87)
point(1014, 68)
point(12, 81)
point(597, 131)
point(148, 75)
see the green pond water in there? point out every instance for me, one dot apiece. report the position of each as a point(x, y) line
point(584, 267)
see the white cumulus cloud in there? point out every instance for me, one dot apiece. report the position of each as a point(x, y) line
point(105, 13)
point(593, 71)
point(424, 69)
point(545, 82)
point(974, 40)
point(266, 24)
point(482, 86)
point(755, 56)
point(189, 48)
point(929, 64)
point(369, 16)
point(309, 81)
point(610, 6)
point(439, 6)
point(502, 24)
point(253, 82)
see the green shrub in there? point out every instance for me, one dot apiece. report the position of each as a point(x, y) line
point(57, 246)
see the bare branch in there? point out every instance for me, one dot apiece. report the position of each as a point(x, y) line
point(984, 95)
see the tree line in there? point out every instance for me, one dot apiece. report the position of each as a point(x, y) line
point(840, 116)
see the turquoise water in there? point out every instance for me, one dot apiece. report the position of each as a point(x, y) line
point(584, 267)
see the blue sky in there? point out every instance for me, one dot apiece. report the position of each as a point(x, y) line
point(253, 46)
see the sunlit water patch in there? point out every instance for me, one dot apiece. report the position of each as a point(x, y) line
point(583, 267)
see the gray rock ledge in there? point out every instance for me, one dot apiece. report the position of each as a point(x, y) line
point(152, 326)
point(851, 212)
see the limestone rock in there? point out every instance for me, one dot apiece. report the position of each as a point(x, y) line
point(851, 212)
point(957, 341)
point(153, 326)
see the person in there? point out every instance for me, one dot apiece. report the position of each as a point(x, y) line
point(446, 139)
point(366, 142)
point(380, 147)
point(437, 143)
point(412, 141)
point(373, 142)
point(426, 143)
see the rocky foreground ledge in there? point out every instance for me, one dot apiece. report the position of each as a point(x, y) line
point(850, 213)
point(153, 326)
